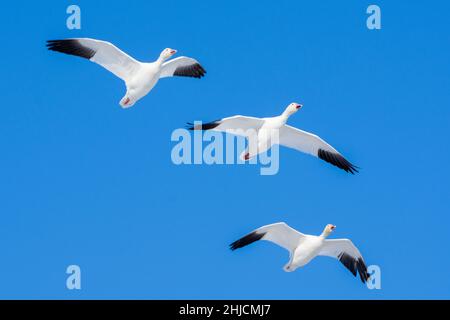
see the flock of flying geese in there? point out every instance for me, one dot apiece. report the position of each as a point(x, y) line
point(141, 77)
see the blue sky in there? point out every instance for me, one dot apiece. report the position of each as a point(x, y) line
point(85, 182)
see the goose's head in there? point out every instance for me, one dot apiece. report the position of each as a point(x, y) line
point(167, 53)
point(293, 108)
point(329, 228)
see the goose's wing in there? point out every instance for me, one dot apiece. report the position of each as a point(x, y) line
point(310, 143)
point(238, 125)
point(346, 252)
point(279, 233)
point(182, 67)
point(101, 52)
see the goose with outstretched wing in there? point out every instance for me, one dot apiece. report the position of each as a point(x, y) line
point(260, 133)
point(303, 248)
point(139, 77)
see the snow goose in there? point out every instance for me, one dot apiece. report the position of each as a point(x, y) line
point(259, 131)
point(139, 77)
point(303, 248)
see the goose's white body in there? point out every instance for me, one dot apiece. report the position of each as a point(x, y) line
point(139, 77)
point(303, 247)
point(143, 81)
point(263, 133)
point(306, 250)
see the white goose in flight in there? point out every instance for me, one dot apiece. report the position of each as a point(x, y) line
point(303, 248)
point(259, 132)
point(139, 77)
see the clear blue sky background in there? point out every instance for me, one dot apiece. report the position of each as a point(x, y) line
point(85, 182)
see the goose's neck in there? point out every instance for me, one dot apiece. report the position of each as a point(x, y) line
point(285, 116)
point(324, 234)
point(160, 60)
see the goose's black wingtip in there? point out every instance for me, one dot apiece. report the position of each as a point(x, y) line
point(195, 70)
point(355, 266)
point(362, 270)
point(52, 44)
point(337, 160)
point(233, 246)
point(48, 43)
point(70, 46)
point(202, 126)
point(352, 169)
point(246, 240)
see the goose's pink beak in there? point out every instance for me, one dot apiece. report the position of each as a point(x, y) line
point(299, 106)
point(173, 51)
